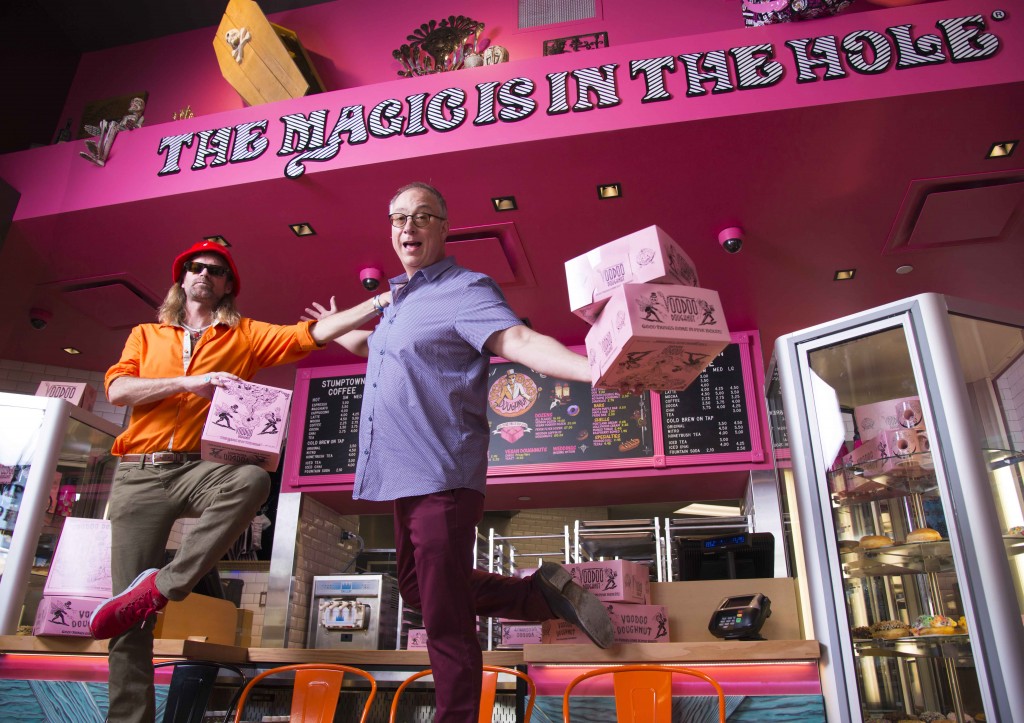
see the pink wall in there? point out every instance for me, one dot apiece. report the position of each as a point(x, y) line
point(351, 43)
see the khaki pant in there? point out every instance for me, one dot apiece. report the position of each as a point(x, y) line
point(145, 502)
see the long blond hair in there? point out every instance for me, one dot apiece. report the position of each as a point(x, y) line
point(172, 311)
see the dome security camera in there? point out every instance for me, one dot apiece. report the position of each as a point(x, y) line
point(39, 318)
point(371, 278)
point(731, 239)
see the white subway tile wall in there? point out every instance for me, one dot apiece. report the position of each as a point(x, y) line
point(23, 378)
point(318, 551)
point(546, 522)
point(1011, 391)
point(254, 595)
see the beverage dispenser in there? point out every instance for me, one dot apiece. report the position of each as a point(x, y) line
point(354, 611)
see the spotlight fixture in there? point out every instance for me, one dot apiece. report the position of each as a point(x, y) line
point(217, 240)
point(844, 274)
point(302, 229)
point(609, 190)
point(504, 203)
point(71, 350)
point(1003, 149)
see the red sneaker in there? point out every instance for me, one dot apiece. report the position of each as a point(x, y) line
point(123, 612)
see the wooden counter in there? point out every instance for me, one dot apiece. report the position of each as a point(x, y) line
point(162, 648)
point(284, 656)
point(725, 651)
point(739, 651)
point(169, 648)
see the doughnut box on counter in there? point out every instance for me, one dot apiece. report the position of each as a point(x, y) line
point(614, 580)
point(65, 615)
point(246, 425)
point(873, 419)
point(656, 336)
point(78, 393)
point(648, 255)
point(515, 634)
point(81, 562)
point(630, 623)
point(417, 639)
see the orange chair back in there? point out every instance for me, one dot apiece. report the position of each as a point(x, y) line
point(315, 691)
point(488, 692)
point(643, 693)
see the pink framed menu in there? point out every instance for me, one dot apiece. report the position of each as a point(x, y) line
point(542, 425)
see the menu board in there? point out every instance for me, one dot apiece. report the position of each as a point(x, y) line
point(536, 419)
point(776, 414)
point(539, 423)
point(330, 443)
point(710, 416)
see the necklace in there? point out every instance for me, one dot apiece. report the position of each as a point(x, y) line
point(200, 330)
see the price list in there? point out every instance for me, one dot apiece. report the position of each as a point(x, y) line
point(776, 415)
point(331, 441)
point(710, 416)
point(541, 420)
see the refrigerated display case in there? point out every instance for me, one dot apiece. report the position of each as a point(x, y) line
point(899, 419)
point(55, 463)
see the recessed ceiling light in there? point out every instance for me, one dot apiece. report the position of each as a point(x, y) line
point(609, 190)
point(844, 274)
point(217, 240)
point(504, 203)
point(302, 229)
point(706, 510)
point(71, 350)
point(904, 269)
point(1003, 149)
point(524, 498)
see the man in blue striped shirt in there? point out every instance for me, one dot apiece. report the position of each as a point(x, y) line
point(423, 438)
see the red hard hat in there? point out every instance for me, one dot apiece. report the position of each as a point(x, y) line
point(205, 247)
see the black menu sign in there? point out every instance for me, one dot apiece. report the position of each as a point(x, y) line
point(710, 416)
point(776, 415)
point(330, 444)
point(536, 419)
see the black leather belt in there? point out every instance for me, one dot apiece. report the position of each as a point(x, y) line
point(159, 458)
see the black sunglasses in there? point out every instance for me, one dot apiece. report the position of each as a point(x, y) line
point(196, 267)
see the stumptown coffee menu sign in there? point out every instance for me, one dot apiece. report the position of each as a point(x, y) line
point(318, 136)
point(540, 424)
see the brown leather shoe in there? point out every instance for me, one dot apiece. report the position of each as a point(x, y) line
point(571, 602)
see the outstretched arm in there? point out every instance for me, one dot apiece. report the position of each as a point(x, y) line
point(541, 353)
point(342, 327)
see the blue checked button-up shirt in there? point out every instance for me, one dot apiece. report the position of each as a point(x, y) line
point(423, 426)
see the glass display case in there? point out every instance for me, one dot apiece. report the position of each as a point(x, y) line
point(900, 441)
point(55, 463)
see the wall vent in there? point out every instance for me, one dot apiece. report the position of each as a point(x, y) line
point(534, 13)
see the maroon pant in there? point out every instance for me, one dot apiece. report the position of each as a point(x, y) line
point(434, 537)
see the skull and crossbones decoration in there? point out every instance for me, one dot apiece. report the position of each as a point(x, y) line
point(236, 38)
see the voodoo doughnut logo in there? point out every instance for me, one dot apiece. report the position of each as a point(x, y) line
point(512, 395)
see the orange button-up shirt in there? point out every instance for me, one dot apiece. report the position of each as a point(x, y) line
point(155, 351)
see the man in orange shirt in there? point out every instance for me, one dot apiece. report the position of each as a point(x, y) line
point(168, 373)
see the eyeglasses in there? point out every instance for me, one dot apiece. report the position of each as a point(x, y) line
point(419, 220)
point(196, 267)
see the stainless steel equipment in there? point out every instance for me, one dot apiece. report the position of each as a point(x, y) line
point(357, 612)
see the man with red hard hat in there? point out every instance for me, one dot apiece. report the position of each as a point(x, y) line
point(167, 373)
